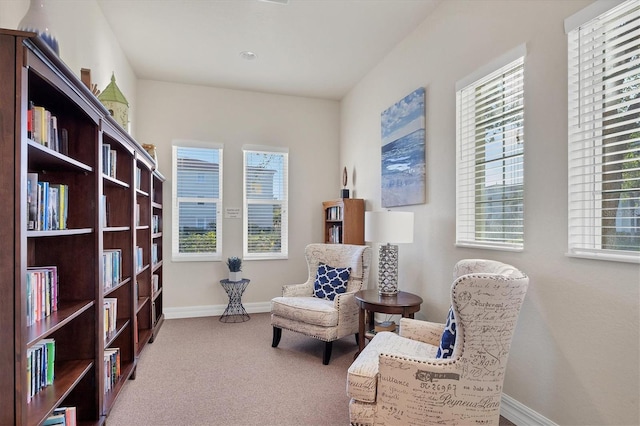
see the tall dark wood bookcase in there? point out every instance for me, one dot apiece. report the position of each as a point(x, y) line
point(110, 212)
point(157, 311)
point(343, 221)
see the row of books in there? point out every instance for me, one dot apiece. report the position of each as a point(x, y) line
point(155, 224)
point(62, 416)
point(47, 204)
point(109, 160)
point(154, 253)
point(138, 177)
point(334, 234)
point(104, 211)
point(110, 316)
point(111, 368)
point(42, 127)
point(111, 268)
point(42, 292)
point(139, 259)
point(334, 213)
point(40, 366)
point(155, 282)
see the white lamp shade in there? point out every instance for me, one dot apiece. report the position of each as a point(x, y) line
point(388, 227)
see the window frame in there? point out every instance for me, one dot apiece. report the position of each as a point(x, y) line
point(284, 204)
point(588, 142)
point(467, 204)
point(176, 256)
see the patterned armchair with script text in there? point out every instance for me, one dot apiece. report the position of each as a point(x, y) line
point(443, 373)
point(324, 307)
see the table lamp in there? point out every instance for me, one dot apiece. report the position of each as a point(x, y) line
point(388, 228)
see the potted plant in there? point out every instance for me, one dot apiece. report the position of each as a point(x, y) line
point(235, 267)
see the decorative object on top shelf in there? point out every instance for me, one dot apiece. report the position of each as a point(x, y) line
point(113, 99)
point(388, 227)
point(36, 20)
point(85, 77)
point(345, 192)
point(235, 267)
point(151, 150)
point(403, 179)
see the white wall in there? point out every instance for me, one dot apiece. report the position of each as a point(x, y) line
point(575, 356)
point(86, 41)
point(308, 127)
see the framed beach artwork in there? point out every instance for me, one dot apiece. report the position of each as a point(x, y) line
point(403, 177)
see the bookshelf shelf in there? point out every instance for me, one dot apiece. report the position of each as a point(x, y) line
point(41, 157)
point(108, 180)
point(66, 313)
point(116, 229)
point(116, 287)
point(59, 232)
point(78, 195)
point(71, 373)
point(121, 325)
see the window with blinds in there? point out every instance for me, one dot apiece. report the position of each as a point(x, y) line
point(490, 157)
point(266, 205)
point(197, 203)
point(604, 134)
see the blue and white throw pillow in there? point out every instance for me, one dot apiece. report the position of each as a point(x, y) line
point(448, 339)
point(330, 281)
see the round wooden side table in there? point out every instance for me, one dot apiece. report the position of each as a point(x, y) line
point(403, 303)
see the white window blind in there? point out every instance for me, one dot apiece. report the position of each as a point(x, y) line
point(265, 219)
point(604, 135)
point(490, 159)
point(197, 201)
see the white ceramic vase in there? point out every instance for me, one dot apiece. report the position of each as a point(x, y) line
point(235, 276)
point(37, 20)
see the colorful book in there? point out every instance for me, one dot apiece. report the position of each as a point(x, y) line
point(32, 201)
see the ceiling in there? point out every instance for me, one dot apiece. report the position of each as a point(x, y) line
point(313, 48)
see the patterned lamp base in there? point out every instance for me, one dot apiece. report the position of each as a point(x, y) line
point(388, 270)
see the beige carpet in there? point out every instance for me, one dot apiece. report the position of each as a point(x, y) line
point(200, 371)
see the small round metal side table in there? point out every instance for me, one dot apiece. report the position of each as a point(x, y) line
point(235, 312)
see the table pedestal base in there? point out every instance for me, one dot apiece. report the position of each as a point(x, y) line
point(235, 312)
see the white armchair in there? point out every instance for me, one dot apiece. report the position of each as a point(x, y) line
point(302, 311)
point(399, 380)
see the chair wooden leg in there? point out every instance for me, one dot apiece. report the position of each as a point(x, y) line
point(327, 352)
point(357, 338)
point(277, 334)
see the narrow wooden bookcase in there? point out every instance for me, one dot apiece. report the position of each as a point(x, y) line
point(92, 300)
point(343, 221)
point(117, 277)
point(142, 239)
point(157, 311)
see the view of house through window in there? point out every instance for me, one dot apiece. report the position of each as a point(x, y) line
point(197, 195)
point(604, 134)
point(265, 203)
point(490, 160)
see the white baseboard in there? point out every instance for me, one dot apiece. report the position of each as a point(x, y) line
point(212, 310)
point(520, 414)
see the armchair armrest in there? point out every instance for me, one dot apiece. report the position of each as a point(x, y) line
point(422, 331)
point(348, 312)
point(298, 290)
